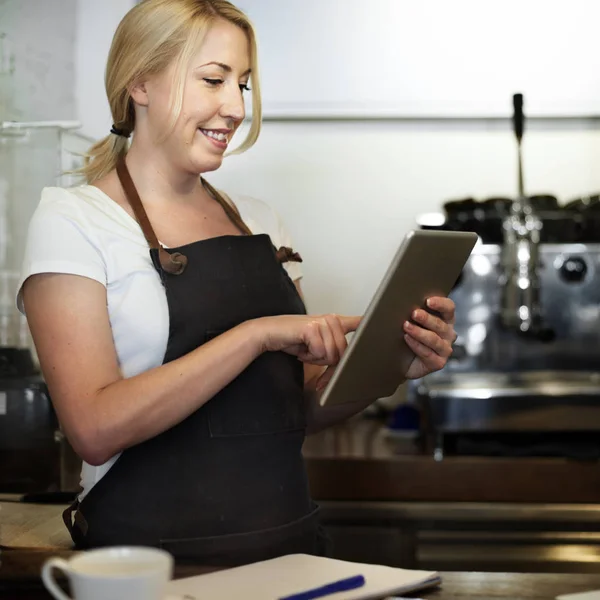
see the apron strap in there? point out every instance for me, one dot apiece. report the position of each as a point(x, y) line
point(286, 254)
point(176, 262)
point(171, 263)
point(75, 523)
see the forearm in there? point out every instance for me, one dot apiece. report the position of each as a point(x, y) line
point(132, 410)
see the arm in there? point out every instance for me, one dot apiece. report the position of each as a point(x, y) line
point(101, 412)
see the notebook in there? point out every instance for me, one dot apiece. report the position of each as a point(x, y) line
point(295, 573)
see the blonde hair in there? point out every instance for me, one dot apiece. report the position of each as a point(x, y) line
point(152, 35)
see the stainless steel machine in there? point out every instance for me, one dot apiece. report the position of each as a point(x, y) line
point(525, 376)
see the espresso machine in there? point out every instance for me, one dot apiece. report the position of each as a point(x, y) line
point(524, 378)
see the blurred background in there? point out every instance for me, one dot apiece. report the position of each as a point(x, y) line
point(381, 117)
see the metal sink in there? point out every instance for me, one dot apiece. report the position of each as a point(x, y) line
point(485, 385)
point(549, 401)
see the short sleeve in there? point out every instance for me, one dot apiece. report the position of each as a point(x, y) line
point(60, 239)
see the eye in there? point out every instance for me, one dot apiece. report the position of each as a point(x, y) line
point(244, 87)
point(213, 82)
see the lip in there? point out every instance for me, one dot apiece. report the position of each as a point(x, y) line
point(217, 143)
point(225, 131)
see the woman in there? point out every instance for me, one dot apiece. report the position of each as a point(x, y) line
point(185, 373)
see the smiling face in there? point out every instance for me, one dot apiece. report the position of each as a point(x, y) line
point(212, 105)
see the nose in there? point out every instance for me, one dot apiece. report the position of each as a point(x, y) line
point(233, 104)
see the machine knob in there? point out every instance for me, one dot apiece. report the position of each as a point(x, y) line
point(573, 269)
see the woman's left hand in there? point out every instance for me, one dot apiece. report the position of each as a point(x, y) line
point(430, 337)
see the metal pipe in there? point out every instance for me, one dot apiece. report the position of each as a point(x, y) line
point(521, 310)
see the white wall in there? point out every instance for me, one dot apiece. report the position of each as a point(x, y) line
point(349, 191)
point(41, 36)
point(431, 58)
point(96, 24)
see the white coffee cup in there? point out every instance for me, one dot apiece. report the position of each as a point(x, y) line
point(118, 573)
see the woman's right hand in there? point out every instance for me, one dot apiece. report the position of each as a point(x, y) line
point(319, 340)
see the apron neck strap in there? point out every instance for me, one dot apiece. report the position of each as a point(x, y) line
point(171, 263)
point(135, 202)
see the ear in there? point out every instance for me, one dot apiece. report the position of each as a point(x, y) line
point(139, 93)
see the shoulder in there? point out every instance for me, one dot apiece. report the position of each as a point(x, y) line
point(59, 200)
point(61, 238)
point(260, 217)
point(62, 205)
point(77, 201)
point(87, 209)
point(60, 208)
point(74, 223)
point(65, 217)
point(254, 209)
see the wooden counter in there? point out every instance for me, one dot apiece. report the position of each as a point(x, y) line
point(19, 581)
point(359, 461)
point(384, 501)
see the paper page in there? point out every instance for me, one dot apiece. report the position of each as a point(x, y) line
point(580, 596)
point(273, 579)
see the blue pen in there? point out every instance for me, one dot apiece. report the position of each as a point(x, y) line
point(343, 585)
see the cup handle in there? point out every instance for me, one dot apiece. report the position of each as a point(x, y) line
point(48, 579)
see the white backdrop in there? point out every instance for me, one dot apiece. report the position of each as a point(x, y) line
point(427, 58)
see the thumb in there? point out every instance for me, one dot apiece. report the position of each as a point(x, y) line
point(349, 323)
point(325, 377)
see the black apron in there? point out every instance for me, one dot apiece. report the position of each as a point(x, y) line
point(228, 485)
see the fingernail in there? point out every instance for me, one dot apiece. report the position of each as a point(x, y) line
point(429, 302)
point(415, 314)
point(407, 324)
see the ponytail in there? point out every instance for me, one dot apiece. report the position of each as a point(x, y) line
point(102, 157)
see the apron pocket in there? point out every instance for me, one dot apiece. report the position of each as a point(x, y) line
point(266, 398)
point(302, 536)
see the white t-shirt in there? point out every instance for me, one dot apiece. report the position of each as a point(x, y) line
point(81, 231)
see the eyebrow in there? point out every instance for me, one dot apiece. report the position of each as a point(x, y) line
point(225, 67)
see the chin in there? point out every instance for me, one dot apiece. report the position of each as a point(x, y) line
point(205, 164)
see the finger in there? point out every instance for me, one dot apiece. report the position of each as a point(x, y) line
point(429, 339)
point(433, 323)
point(431, 360)
point(300, 351)
point(325, 378)
point(338, 334)
point(444, 306)
point(332, 356)
point(349, 323)
point(315, 345)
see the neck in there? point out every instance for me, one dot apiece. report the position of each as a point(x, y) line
point(155, 177)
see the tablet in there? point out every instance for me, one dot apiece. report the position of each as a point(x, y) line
point(428, 263)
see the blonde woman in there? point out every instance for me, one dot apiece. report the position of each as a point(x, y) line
point(168, 318)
